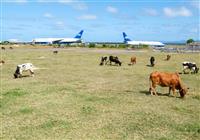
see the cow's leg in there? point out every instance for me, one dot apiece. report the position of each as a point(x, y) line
point(153, 90)
point(150, 88)
point(173, 90)
point(32, 72)
point(106, 62)
point(20, 73)
point(170, 88)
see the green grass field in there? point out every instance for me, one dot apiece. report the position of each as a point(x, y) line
point(75, 98)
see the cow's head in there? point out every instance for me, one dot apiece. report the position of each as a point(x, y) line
point(183, 92)
point(120, 63)
point(17, 72)
point(16, 75)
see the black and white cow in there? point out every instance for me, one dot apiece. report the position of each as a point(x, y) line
point(24, 67)
point(114, 59)
point(190, 66)
point(103, 59)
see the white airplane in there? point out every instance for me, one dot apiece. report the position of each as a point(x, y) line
point(150, 43)
point(76, 39)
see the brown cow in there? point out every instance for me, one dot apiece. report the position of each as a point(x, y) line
point(55, 52)
point(133, 60)
point(171, 80)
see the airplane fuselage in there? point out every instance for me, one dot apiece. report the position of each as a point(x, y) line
point(150, 43)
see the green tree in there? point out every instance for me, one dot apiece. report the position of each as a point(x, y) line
point(92, 45)
point(189, 41)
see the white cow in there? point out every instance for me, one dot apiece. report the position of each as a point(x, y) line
point(24, 67)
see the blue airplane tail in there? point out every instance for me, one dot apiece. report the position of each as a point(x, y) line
point(78, 36)
point(126, 39)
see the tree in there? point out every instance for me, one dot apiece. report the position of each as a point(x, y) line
point(189, 41)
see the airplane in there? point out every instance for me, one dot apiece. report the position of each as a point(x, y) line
point(150, 43)
point(76, 39)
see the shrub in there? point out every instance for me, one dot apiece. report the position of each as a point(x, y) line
point(92, 45)
point(122, 46)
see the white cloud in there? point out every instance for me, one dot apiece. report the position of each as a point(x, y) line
point(151, 12)
point(80, 6)
point(48, 15)
point(88, 17)
point(60, 23)
point(169, 12)
point(65, 1)
point(112, 9)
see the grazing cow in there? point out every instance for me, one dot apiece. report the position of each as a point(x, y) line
point(133, 60)
point(103, 59)
point(11, 48)
point(114, 59)
point(171, 80)
point(55, 52)
point(2, 62)
point(190, 66)
point(168, 57)
point(152, 60)
point(3, 48)
point(23, 67)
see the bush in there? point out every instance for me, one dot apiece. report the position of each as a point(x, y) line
point(104, 46)
point(122, 46)
point(92, 45)
point(139, 47)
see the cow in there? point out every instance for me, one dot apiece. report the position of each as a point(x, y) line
point(164, 79)
point(11, 48)
point(133, 60)
point(168, 57)
point(3, 48)
point(152, 60)
point(103, 59)
point(2, 62)
point(190, 66)
point(114, 59)
point(55, 52)
point(23, 67)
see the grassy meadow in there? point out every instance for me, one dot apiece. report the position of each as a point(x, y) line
point(72, 97)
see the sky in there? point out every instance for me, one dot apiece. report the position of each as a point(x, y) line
point(101, 20)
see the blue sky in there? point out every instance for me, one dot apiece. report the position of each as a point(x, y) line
point(103, 20)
